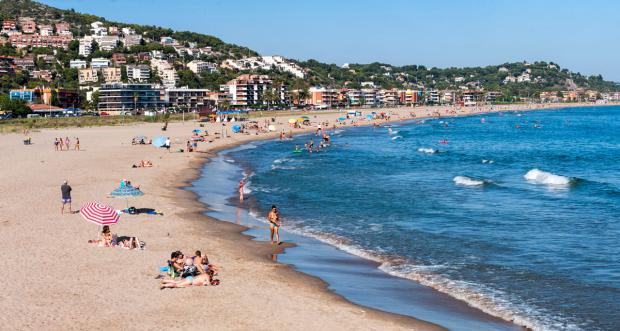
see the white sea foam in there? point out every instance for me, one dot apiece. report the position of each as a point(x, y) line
point(229, 160)
point(427, 150)
point(282, 167)
point(488, 161)
point(467, 181)
point(537, 176)
point(396, 137)
point(491, 301)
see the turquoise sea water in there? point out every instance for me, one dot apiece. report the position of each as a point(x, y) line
point(518, 214)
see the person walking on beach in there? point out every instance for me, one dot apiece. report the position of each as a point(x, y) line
point(61, 143)
point(67, 142)
point(65, 190)
point(241, 186)
point(77, 143)
point(274, 224)
point(56, 144)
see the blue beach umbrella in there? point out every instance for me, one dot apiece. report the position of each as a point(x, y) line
point(126, 192)
point(159, 141)
point(196, 131)
point(236, 128)
point(342, 118)
point(369, 117)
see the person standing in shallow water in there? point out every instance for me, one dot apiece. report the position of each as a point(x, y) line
point(274, 224)
point(241, 186)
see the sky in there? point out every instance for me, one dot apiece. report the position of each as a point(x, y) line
point(583, 36)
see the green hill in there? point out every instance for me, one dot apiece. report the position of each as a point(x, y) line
point(542, 76)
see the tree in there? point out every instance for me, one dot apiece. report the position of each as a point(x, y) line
point(18, 108)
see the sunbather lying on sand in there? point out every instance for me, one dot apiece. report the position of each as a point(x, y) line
point(200, 280)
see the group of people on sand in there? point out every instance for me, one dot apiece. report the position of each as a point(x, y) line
point(143, 164)
point(140, 141)
point(65, 144)
point(107, 239)
point(189, 271)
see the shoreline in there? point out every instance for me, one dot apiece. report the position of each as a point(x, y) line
point(78, 277)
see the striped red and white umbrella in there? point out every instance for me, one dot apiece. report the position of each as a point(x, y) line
point(99, 213)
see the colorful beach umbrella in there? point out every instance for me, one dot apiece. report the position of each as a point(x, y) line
point(99, 214)
point(292, 121)
point(159, 141)
point(305, 117)
point(126, 191)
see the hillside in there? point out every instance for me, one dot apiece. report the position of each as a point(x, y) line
point(512, 80)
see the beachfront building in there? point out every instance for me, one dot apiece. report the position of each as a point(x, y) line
point(369, 97)
point(248, 89)
point(354, 97)
point(471, 97)
point(189, 99)
point(112, 75)
point(493, 96)
point(409, 97)
point(320, 97)
point(118, 97)
point(432, 97)
point(138, 73)
point(447, 97)
point(86, 76)
point(388, 98)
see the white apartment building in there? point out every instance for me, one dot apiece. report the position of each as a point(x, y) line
point(132, 40)
point(138, 73)
point(99, 63)
point(167, 73)
point(98, 29)
point(107, 43)
point(198, 66)
point(46, 30)
point(85, 46)
point(77, 64)
point(370, 97)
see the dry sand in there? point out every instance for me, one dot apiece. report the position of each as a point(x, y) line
point(54, 280)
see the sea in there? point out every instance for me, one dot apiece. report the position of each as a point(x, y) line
point(490, 222)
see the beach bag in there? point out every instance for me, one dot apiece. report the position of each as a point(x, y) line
point(189, 271)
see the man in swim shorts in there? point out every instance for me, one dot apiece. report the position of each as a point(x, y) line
point(65, 190)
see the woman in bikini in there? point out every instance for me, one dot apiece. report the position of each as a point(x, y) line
point(274, 224)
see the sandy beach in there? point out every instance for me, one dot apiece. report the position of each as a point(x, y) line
point(75, 285)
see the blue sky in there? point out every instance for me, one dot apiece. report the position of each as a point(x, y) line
point(583, 36)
